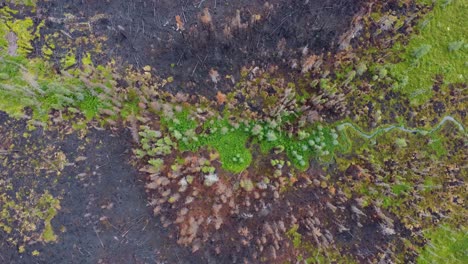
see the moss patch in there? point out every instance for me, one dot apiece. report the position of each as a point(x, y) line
point(446, 245)
point(441, 48)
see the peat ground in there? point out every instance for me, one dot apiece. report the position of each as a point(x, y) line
point(103, 216)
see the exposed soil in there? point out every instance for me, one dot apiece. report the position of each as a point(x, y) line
point(189, 39)
point(103, 212)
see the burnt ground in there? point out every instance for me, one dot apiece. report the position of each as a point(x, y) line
point(188, 39)
point(254, 226)
point(103, 216)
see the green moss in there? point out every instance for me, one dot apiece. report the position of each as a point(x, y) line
point(436, 144)
point(48, 50)
point(441, 49)
point(234, 155)
point(48, 235)
point(229, 142)
point(86, 60)
point(446, 245)
point(400, 188)
point(22, 28)
point(401, 142)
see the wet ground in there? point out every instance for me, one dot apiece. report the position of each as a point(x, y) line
point(197, 42)
point(103, 216)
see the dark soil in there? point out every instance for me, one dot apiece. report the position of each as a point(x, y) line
point(103, 210)
point(145, 32)
point(362, 239)
point(104, 216)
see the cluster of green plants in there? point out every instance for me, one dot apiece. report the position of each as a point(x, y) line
point(28, 83)
point(231, 140)
point(218, 134)
point(153, 144)
point(315, 141)
point(33, 83)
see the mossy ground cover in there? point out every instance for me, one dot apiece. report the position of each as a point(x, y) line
point(439, 48)
point(231, 142)
point(412, 195)
point(447, 245)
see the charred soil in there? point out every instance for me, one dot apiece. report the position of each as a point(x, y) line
point(202, 45)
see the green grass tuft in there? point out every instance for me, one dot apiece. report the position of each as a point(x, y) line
point(90, 106)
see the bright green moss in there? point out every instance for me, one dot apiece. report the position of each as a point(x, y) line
point(234, 155)
point(229, 142)
point(53, 205)
point(446, 245)
point(69, 60)
point(23, 29)
point(441, 49)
